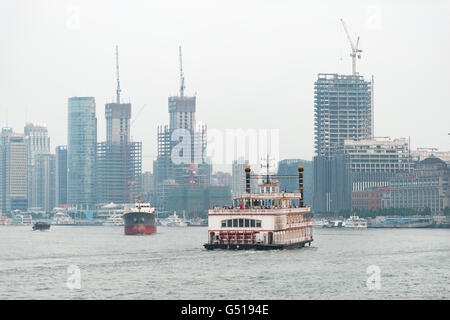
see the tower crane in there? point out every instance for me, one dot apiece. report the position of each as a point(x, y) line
point(356, 52)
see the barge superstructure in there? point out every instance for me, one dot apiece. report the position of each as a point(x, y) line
point(268, 219)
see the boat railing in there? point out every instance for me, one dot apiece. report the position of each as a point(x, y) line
point(255, 210)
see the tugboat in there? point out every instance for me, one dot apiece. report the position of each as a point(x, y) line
point(41, 226)
point(140, 220)
point(266, 220)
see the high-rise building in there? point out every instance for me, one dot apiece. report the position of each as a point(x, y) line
point(81, 152)
point(342, 111)
point(45, 181)
point(181, 158)
point(13, 171)
point(61, 176)
point(119, 160)
point(38, 143)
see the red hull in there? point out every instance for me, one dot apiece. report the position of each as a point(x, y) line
point(139, 229)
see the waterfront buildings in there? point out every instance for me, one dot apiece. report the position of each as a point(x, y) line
point(13, 171)
point(81, 152)
point(426, 186)
point(373, 163)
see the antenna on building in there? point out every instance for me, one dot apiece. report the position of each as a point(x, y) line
point(181, 73)
point(117, 74)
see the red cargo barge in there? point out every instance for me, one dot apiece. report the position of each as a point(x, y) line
point(140, 220)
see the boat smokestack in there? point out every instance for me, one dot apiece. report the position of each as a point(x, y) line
point(300, 183)
point(247, 179)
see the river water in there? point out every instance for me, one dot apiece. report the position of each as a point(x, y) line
point(74, 262)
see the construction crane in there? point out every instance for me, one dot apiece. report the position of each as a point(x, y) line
point(117, 73)
point(181, 73)
point(355, 50)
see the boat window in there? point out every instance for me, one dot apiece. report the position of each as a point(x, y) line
point(229, 223)
point(258, 223)
point(241, 223)
point(252, 223)
point(246, 223)
point(224, 223)
point(235, 223)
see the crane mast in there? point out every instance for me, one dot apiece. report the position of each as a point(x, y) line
point(355, 50)
point(117, 73)
point(181, 74)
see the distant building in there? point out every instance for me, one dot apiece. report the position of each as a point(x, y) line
point(81, 152)
point(238, 177)
point(221, 179)
point(38, 143)
point(374, 162)
point(370, 199)
point(13, 171)
point(425, 187)
point(61, 176)
point(290, 167)
point(423, 153)
point(119, 160)
point(45, 168)
point(332, 184)
point(342, 111)
point(147, 185)
point(195, 201)
point(181, 158)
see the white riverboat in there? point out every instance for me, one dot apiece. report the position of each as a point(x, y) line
point(62, 218)
point(355, 222)
point(269, 219)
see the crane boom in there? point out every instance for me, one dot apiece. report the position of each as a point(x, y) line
point(355, 51)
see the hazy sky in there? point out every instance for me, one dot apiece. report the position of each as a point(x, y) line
point(252, 63)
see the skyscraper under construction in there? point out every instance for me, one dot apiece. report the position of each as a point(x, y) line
point(181, 158)
point(343, 110)
point(119, 160)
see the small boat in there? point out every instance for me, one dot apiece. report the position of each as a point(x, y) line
point(175, 221)
point(41, 226)
point(115, 219)
point(356, 223)
point(62, 218)
point(334, 224)
point(22, 219)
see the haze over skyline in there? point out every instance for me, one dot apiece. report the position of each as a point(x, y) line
point(252, 64)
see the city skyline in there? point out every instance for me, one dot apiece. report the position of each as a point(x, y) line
point(276, 71)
